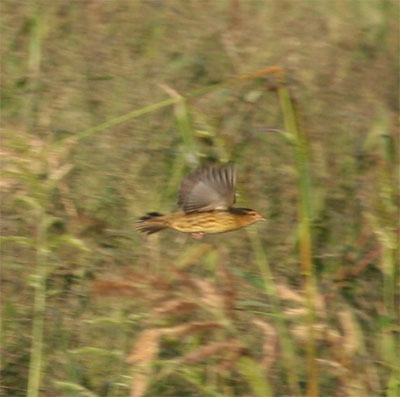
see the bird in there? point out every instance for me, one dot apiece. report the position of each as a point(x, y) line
point(206, 198)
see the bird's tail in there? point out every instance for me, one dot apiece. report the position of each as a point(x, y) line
point(153, 222)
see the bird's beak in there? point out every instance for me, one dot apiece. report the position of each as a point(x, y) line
point(261, 218)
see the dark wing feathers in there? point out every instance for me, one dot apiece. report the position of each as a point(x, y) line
point(208, 189)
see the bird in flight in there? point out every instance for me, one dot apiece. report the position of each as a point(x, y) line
point(206, 199)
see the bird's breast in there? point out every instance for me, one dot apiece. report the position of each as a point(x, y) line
point(206, 222)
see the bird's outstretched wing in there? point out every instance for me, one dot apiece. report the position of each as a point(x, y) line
point(209, 188)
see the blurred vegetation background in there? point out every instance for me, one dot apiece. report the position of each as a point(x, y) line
point(92, 308)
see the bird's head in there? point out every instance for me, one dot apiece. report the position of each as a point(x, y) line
point(248, 216)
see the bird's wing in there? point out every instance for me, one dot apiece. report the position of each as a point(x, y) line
point(208, 189)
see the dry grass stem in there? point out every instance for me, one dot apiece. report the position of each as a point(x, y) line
point(146, 347)
point(270, 344)
point(210, 297)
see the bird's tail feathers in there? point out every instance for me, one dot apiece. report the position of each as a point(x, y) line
point(151, 223)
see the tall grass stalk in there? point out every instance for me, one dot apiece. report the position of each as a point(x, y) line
point(38, 31)
point(184, 125)
point(39, 308)
point(188, 152)
point(304, 218)
point(37, 35)
point(385, 223)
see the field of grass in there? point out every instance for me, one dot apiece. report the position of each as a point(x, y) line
point(106, 105)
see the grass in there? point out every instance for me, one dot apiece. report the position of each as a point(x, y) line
point(304, 305)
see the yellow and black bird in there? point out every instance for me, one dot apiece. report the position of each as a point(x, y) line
point(206, 199)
